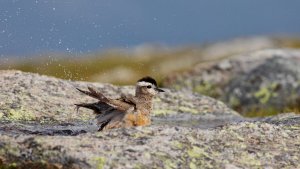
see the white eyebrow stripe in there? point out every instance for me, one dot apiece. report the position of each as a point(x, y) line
point(143, 83)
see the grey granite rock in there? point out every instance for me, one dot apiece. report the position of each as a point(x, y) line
point(243, 145)
point(32, 97)
point(262, 80)
point(275, 84)
point(40, 129)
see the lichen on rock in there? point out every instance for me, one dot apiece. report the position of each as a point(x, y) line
point(188, 130)
point(261, 81)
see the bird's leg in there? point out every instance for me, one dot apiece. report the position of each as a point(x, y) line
point(77, 108)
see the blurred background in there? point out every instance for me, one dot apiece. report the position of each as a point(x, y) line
point(120, 41)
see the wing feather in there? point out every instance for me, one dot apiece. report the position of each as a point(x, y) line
point(110, 113)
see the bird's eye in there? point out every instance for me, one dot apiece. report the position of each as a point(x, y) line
point(149, 87)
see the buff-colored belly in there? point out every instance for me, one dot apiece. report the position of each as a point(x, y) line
point(137, 120)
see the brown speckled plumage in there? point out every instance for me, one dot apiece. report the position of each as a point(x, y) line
point(128, 110)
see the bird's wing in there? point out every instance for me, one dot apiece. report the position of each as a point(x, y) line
point(111, 119)
point(119, 104)
point(95, 94)
point(107, 116)
point(130, 99)
point(110, 112)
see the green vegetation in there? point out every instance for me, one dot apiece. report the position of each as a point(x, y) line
point(116, 67)
point(288, 42)
point(271, 111)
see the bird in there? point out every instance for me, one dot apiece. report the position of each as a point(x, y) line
point(126, 111)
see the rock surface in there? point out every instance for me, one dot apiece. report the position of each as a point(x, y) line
point(244, 145)
point(39, 128)
point(257, 81)
point(31, 97)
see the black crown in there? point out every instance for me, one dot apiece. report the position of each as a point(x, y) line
point(148, 79)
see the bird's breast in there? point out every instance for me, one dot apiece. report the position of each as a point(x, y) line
point(138, 119)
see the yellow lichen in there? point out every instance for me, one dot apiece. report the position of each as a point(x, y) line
point(161, 112)
point(197, 152)
point(177, 144)
point(169, 164)
point(192, 165)
point(263, 94)
point(20, 114)
point(147, 155)
point(247, 159)
point(85, 117)
point(177, 87)
point(100, 162)
point(188, 110)
point(206, 88)
point(233, 101)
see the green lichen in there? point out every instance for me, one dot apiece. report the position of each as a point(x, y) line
point(100, 162)
point(1, 115)
point(85, 117)
point(247, 159)
point(162, 112)
point(20, 115)
point(197, 152)
point(234, 102)
point(188, 110)
point(177, 87)
point(177, 144)
point(169, 164)
point(8, 166)
point(8, 149)
point(264, 94)
point(206, 88)
point(192, 155)
point(147, 155)
point(192, 165)
point(165, 159)
point(274, 86)
point(139, 166)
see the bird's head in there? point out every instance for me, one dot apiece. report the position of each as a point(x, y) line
point(147, 86)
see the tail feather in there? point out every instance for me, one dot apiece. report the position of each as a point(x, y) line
point(86, 105)
point(102, 125)
point(98, 107)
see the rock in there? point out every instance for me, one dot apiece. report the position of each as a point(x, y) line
point(265, 80)
point(31, 97)
point(238, 46)
point(243, 145)
point(40, 129)
point(273, 85)
point(287, 119)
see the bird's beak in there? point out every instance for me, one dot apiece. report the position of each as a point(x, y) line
point(159, 90)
